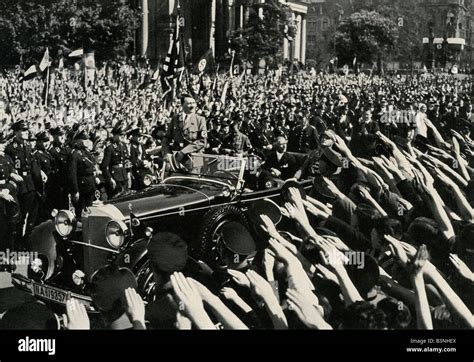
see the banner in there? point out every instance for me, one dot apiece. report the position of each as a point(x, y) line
point(45, 62)
point(89, 69)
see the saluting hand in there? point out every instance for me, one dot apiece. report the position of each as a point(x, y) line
point(135, 306)
point(76, 318)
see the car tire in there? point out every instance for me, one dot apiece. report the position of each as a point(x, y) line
point(206, 248)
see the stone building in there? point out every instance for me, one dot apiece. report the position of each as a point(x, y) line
point(207, 24)
point(434, 20)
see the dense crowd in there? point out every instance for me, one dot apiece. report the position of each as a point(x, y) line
point(384, 240)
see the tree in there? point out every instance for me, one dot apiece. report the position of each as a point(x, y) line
point(366, 35)
point(413, 25)
point(27, 27)
point(262, 37)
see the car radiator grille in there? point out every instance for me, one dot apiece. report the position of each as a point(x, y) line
point(96, 254)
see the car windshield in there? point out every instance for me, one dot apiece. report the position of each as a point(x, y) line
point(215, 166)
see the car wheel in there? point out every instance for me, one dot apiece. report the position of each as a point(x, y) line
point(146, 281)
point(210, 236)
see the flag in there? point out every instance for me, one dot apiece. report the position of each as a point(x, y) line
point(150, 78)
point(174, 64)
point(89, 68)
point(206, 63)
point(224, 92)
point(156, 74)
point(30, 73)
point(355, 61)
point(76, 53)
point(45, 62)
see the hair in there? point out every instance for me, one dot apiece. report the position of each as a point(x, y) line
point(424, 230)
point(118, 307)
point(398, 314)
point(363, 315)
point(388, 226)
point(185, 96)
point(366, 276)
point(367, 218)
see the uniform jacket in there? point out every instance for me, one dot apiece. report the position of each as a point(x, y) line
point(187, 136)
point(7, 209)
point(304, 140)
point(239, 143)
point(81, 171)
point(114, 162)
point(25, 165)
point(60, 155)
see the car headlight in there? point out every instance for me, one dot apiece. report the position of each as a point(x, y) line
point(115, 233)
point(65, 222)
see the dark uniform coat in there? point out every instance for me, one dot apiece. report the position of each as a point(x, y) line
point(114, 164)
point(81, 172)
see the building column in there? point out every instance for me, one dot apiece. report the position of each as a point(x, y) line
point(297, 53)
point(212, 32)
point(232, 14)
point(303, 40)
point(286, 48)
point(144, 42)
point(171, 4)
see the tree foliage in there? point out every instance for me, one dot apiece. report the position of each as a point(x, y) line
point(413, 25)
point(28, 27)
point(262, 37)
point(367, 35)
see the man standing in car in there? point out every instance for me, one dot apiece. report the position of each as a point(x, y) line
point(114, 163)
point(187, 134)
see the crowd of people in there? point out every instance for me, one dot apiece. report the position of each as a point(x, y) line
point(384, 240)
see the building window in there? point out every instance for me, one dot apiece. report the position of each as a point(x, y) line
point(325, 24)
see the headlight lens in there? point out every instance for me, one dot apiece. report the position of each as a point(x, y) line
point(115, 233)
point(65, 222)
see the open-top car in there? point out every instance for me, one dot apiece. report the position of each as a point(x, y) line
point(193, 204)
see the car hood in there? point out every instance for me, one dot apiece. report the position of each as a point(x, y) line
point(167, 198)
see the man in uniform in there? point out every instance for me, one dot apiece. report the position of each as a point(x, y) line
point(8, 202)
point(304, 138)
point(114, 164)
point(187, 134)
point(60, 154)
point(45, 161)
point(138, 159)
point(82, 167)
point(236, 143)
point(21, 153)
point(215, 139)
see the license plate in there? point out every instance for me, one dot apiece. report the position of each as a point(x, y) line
point(50, 293)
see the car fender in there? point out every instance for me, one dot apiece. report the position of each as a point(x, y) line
point(134, 256)
point(43, 241)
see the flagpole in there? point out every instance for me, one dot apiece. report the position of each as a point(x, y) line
point(232, 64)
point(47, 88)
point(181, 45)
